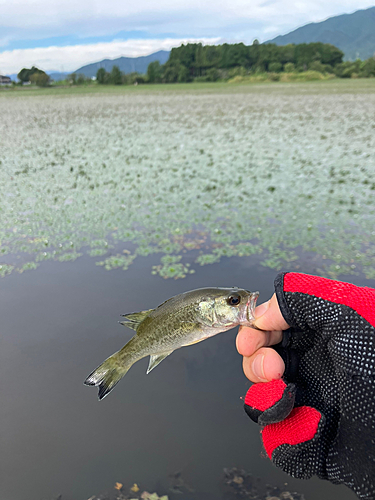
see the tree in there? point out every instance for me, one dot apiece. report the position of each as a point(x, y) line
point(25, 74)
point(317, 66)
point(115, 77)
point(289, 67)
point(212, 75)
point(171, 72)
point(275, 67)
point(198, 65)
point(101, 75)
point(211, 56)
point(368, 67)
point(154, 72)
point(183, 74)
point(81, 79)
point(40, 79)
point(135, 78)
point(306, 53)
point(286, 54)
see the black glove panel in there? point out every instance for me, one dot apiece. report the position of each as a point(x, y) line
point(330, 357)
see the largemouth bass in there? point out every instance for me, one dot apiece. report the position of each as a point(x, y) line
point(183, 320)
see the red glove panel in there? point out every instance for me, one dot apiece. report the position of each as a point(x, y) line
point(320, 419)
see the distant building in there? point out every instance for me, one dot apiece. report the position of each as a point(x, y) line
point(5, 80)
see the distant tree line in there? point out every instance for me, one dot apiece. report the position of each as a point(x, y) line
point(197, 62)
point(117, 77)
point(213, 62)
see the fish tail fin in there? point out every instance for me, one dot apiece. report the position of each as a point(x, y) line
point(108, 374)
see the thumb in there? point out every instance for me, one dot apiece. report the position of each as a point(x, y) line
point(268, 316)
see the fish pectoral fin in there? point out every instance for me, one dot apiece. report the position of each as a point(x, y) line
point(133, 326)
point(155, 359)
point(133, 320)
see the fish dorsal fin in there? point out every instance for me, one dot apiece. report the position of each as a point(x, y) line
point(155, 359)
point(133, 320)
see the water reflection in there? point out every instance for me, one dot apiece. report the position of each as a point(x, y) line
point(59, 322)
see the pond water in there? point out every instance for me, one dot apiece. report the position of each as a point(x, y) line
point(104, 196)
point(60, 322)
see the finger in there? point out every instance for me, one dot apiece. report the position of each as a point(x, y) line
point(250, 340)
point(268, 316)
point(263, 366)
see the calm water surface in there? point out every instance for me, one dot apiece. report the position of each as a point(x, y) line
point(192, 178)
point(60, 322)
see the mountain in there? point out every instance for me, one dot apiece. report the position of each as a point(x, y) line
point(353, 33)
point(126, 64)
point(57, 76)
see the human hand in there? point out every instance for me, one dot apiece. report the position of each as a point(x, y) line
point(260, 363)
point(315, 399)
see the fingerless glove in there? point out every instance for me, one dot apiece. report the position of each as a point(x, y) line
point(320, 418)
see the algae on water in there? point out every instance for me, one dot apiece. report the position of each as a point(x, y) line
point(237, 173)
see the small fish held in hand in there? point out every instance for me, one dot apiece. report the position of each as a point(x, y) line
point(183, 320)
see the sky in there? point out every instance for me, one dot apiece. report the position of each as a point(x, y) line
point(63, 35)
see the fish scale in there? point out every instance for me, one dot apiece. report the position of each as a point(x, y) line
point(180, 321)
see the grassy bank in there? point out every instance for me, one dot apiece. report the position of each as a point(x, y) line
point(306, 76)
point(292, 83)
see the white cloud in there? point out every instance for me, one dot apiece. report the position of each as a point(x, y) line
point(232, 20)
point(37, 13)
point(39, 19)
point(72, 57)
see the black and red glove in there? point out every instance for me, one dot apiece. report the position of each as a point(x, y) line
point(320, 418)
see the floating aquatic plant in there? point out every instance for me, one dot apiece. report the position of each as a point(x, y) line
point(171, 267)
point(243, 172)
point(116, 261)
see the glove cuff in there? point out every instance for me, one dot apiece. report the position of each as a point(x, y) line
point(359, 299)
point(283, 305)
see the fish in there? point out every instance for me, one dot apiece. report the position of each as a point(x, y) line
point(182, 320)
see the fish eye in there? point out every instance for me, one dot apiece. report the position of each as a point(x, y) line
point(234, 299)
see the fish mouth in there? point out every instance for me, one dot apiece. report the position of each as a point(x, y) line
point(250, 308)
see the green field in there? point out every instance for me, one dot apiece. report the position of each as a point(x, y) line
point(192, 172)
point(326, 86)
